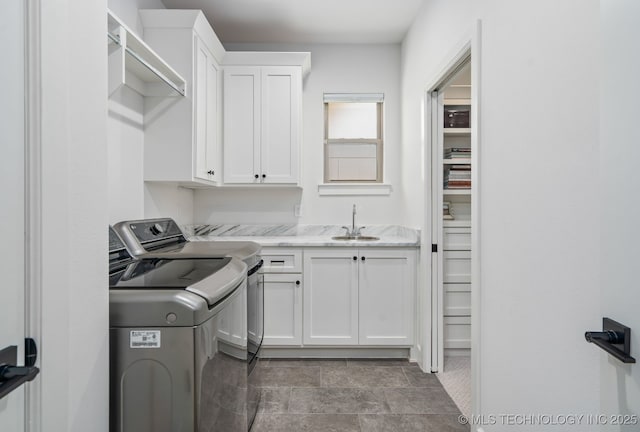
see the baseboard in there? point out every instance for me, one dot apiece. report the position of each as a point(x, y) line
point(390, 353)
point(457, 352)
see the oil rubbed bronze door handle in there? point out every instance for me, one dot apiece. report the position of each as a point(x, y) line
point(11, 376)
point(614, 338)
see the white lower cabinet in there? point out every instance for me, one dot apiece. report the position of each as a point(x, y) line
point(330, 297)
point(282, 309)
point(386, 297)
point(359, 297)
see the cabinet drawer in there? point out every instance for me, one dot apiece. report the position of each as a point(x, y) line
point(457, 332)
point(457, 267)
point(457, 238)
point(282, 260)
point(457, 299)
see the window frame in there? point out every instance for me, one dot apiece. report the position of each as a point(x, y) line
point(379, 141)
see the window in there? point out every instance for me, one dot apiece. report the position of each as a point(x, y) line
point(353, 138)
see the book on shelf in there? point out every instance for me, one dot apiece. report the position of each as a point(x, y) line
point(457, 152)
point(446, 214)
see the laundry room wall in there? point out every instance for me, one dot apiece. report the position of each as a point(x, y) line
point(334, 68)
point(129, 196)
point(538, 220)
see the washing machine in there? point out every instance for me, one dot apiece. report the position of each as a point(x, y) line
point(242, 324)
point(169, 368)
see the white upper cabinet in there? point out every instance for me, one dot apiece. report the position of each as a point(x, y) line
point(262, 117)
point(182, 136)
point(242, 125)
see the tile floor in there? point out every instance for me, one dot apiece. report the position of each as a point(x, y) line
point(352, 396)
point(456, 380)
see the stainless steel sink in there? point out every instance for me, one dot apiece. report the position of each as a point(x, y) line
point(358, 238)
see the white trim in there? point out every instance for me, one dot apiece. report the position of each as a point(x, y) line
point(332, 352)
point(476, 289)
point(468, 46)
point(354, 97)
point(33, 205)
point(454, 60)
point(334, 189)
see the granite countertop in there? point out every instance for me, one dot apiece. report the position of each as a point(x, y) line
point(304, 235)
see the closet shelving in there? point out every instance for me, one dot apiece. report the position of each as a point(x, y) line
point(134, 64)
point(456, 138)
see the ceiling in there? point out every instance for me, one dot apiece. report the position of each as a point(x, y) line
point(306, 21)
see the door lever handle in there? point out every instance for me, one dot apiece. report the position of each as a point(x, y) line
point(615, 338)
point(7, 371)
point(11, 376)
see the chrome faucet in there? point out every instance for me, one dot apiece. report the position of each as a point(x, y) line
point(354, 231)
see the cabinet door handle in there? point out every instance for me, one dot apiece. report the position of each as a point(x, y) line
point(363, 258)
point(297, 282)
point(256, 176)
point(264, 176)
point(211, 172)
point(355, 258)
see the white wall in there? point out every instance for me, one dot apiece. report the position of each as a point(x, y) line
point(127, 11)
point(538, 179)
point(334, 68)
point(620, 207)
point(435, 33)
point(129, 197)
point(75, 345)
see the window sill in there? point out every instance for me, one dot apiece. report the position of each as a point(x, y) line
point(354, 189)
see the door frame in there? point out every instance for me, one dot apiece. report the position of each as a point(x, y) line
point(468, 46)
point(33, 204)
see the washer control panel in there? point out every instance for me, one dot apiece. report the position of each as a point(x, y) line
point(156, 229)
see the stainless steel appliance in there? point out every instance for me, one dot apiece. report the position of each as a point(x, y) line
point(171, 366)
point(243, 322)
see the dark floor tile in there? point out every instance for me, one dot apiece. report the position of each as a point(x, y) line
point(420, 400)
point(411, 423)
point(306, 423)
point(370, 376)
point(446, 423)
point(378, 362)
point(288, 376)
point(338, 401)
point(306, 362)
point(417, 378)
point(274, 400)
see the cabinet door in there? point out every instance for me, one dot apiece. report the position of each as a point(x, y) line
point(242, 125)
point(281, 118)
point(232, 324)
point(387, 291)
point(282, 309)
point(206, 113)
point(330, 297)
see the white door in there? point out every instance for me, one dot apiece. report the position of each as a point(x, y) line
point(242, 125)
point(620, 202)
point(281, 100)
point(206, 112)
point(386, 297)
point(331, 297)
point(282, 309)
point(12, 197)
